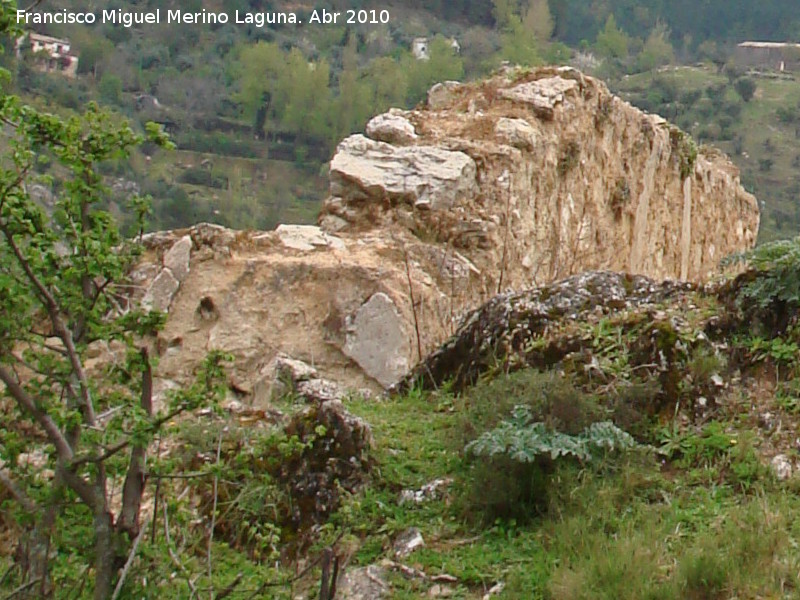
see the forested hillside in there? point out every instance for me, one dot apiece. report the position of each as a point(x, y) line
point(257, 112)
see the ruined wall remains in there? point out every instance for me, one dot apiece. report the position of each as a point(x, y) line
point(501, 184)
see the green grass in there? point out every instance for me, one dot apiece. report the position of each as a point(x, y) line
point(635, 527)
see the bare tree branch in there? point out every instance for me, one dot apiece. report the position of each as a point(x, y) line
point(120, 446)
point(229, 588)
point(22, 588)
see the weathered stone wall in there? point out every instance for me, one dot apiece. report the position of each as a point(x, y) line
point(567, 178)
point(497, 185)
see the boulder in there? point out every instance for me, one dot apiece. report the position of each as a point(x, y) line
point(425, 176)
point(161, 291)
point(320, 390)
point(502, 328)
point(542, 95)
point(407, 542)
point(391, 128)
point(782, 467)
point(516, 132)
point(377, 340)
point(442, 95)
point(307, 237)
point(214, 236)
point(177, 258)
point(292, 370)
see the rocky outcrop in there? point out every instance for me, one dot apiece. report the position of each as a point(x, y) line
point(517, 181)
point(503, 330)
point(567, 178)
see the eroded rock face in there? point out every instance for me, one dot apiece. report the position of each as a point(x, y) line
point(517, 181)
point(508, 322)
point(569, 178)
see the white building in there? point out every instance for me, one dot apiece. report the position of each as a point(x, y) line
point(54, 54)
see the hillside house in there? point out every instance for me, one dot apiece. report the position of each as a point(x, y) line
point(420, 48)
point(53, 54)
point(776, 56)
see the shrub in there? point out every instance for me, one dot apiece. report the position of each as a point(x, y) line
point(620, 197)
point(787, 114)
point(746, 88)
point(777, 280)
point(198, 176)
point(110, 88)
point(569, 159)
point(685, 148)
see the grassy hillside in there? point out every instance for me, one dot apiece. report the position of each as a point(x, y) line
point(688, 504)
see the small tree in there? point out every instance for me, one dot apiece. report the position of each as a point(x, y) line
point(657, 50)
point(745, 87)
point(612, 42)
point(61, 290)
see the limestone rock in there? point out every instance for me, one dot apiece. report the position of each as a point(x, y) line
point(391, 128)
point(214, 236)
point(365, 583)
point(516, 132)
point(782, 467)
point(159, 294)
point(352, 435)
point(429, 491)
point(377, 339)
point(407, 542)
point(508, 321)
point(442, 94)
point(320, 390)
point(292, 370)
point(332, 223)
point(441, 591)
point(426, 176)
point(282, 376)
point(495, 590)
point(307, 237)
point(177, 258)
point(542, 95)
point(336, 460)
point(489, 197)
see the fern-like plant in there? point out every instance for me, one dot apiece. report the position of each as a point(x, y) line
point(523, 440)
point(777, 265)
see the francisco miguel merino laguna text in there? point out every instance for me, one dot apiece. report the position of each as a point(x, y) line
point(129, 19)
